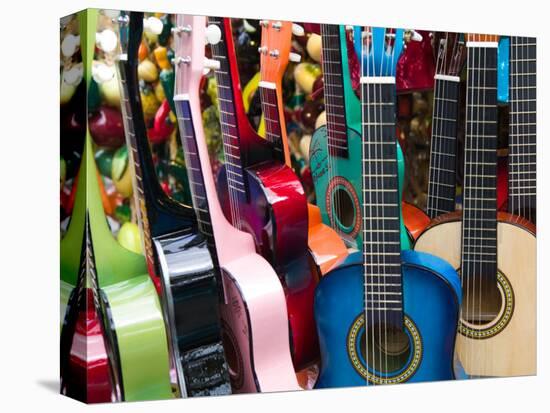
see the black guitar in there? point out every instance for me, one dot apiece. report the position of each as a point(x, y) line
point(178, 257)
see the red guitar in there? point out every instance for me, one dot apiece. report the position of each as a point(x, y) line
point(263, 196)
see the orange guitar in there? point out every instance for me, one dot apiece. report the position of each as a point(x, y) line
point(327, 248)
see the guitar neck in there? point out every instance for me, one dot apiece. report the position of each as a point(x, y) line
point(333, 76)
point(194, 169)
point(381, 219)
point(158, 214)
point(523, 130)
point(228, 98)
point(479, 224)
point(442, 182)
point(275, 127)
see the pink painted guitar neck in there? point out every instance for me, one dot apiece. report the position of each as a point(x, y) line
point(254, 318)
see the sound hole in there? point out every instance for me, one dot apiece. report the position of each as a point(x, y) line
point(343, 207)
point(385, 348)
point(482, 303)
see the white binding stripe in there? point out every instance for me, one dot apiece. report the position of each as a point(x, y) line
point(481, 44)
point(268, 85)
point(447, 77)
point(181, 96)
point(377, 79)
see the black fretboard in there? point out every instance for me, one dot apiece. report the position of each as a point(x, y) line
point(337, 138)
point(194, 171)
point(273, 127)
point(381, 219)
point(479, 224)
point(228, 118)
point(442, 182)
point(522, 170)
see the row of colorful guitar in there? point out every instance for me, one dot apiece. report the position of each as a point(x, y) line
point(252, 288)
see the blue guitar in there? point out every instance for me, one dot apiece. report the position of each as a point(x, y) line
point(385, 316)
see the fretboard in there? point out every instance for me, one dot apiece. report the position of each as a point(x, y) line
point(479, 225)
point(522, 171)
point(442, 182)
point(228, 116)
point(273, 127)
point(381, 219)
point(194, 171)
point(337, 138)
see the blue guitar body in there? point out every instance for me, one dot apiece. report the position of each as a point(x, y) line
point(432, 296)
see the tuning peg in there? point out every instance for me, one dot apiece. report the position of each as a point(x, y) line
point(277, 25)
point(262, 49)
point(69, 45)
point(102, 73)
point(264, 23)
point(213, 34)
point(106, 40)
point(74, 75)
point(181, 29)
point(274, 53)
point(297, 30)
point(179, 60)
point(349, 28)
point(413, 35)
point(295, 57)
point(152, 25)
point(211, 64)
point(365, 33)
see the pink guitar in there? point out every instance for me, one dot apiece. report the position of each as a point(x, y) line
point(254, 318)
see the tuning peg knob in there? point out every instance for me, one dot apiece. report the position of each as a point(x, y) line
point(106, 40)
point(415, 36)
point(213, 34)
point(69, 45)
point(211, 64)
point(152, 25)
point(295, 57)
point(262, 49)
point(264, 23)
point(297, 30)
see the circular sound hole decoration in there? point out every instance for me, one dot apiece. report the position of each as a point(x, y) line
point(343, 206)
point(481, 326)
point(233, 357)
point(384, 355)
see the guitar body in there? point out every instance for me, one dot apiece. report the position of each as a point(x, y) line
point(509, 349)
point(339, 197)
point(255, 328)
point(430, 324)
point(276, 216)
point(415, 220)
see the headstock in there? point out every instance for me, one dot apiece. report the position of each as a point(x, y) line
point(190, 36)
point(275, 48)
point(481, 38)
point(451, 53)
point(379, 49)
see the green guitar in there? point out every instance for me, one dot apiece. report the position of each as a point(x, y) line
point(130, 308)
point(335, 152)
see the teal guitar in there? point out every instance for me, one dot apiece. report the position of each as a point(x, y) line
point(385, 316)
point(335, 150)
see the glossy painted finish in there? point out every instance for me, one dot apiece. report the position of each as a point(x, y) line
point(140, 336)
point(88, 373)
point(339, 300)
point(178, 259)
point(253, 311)
point(503, 69)
point(415, 220)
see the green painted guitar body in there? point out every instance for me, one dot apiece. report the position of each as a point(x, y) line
point(131, 314)
point(337, 180)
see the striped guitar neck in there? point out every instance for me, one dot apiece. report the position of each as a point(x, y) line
point(442, 172)
point(522, 141)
